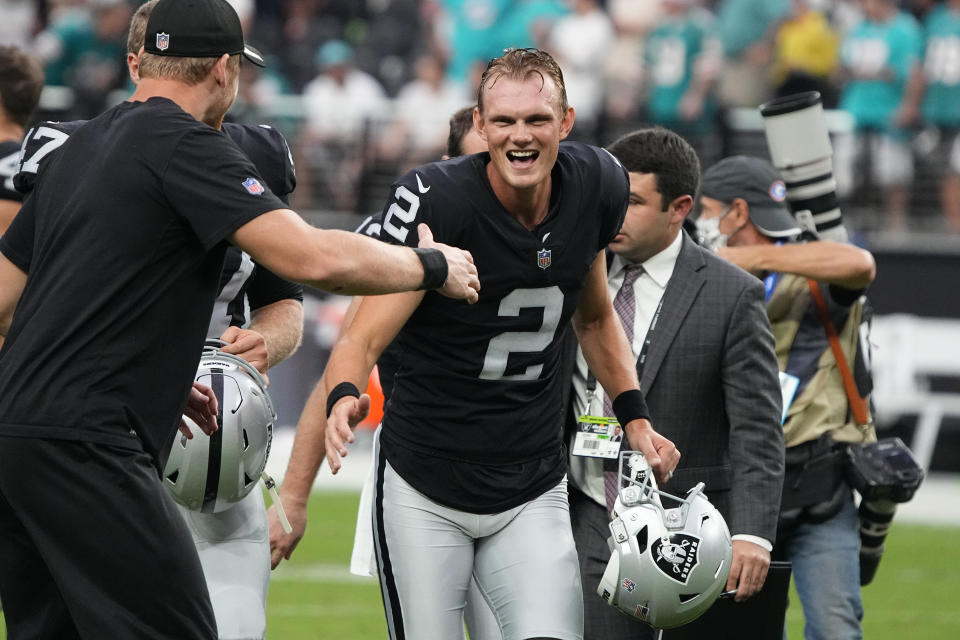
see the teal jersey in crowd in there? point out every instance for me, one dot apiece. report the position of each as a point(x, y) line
point(79, 50)
point(741, 23)
point(891, 48)
point(941, 67)
point(473, 29)
point(671, 52)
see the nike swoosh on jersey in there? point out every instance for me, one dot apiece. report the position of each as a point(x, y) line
point(420, 186)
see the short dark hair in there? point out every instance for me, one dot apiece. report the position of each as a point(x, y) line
point(672, 161)
point(21, 82)
point(520, 63)
point(461, 122)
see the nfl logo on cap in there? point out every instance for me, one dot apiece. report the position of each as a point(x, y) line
point(253, 186)
point(163, 41)
point(543, 258)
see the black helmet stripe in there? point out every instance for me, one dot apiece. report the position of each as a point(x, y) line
point(216, 445)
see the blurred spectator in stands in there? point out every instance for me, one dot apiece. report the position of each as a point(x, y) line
point(580, 42)
point(294, 30)
point(528, 23)
point(20, 21)
point(934, 95)
point(806, 53)
point(683, 58)
point(877, 57)
point(421, 111)
point(344, 110)
point(257, 97)
point(470, 33)
point(393, 38)
point(623, 69)
point(746, 29)
point(85, 50)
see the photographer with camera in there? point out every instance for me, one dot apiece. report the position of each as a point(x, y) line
point(745, 219)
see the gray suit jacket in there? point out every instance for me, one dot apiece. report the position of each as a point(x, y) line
point(711, 384)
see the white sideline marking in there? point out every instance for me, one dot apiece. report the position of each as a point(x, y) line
point(319, 572)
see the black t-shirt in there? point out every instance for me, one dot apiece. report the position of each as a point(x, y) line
point(9, 155)
point(123, 241)
point(476, 415)
point(243, 282)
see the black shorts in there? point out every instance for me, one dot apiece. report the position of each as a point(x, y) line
point(91, 546)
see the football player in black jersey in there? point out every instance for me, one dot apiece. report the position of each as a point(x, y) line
point(470, 477)
point(107, 280)
point(21, 81)
point(462, 140)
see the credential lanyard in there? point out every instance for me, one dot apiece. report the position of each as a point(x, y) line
point(641, 359)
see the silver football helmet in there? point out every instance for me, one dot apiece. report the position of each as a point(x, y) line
point(210, 474)
point(667, 566)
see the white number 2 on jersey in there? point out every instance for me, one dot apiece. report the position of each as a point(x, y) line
point(550, 299)
point(406, 216)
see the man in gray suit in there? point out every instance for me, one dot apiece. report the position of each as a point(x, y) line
point(705, 357)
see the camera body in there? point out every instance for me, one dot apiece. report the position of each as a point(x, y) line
point(883, 470)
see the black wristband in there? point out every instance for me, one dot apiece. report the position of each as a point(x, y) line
point(434, 268)
point(630, 405)
point(341, 390)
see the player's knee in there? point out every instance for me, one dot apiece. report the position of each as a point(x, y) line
point(240, 614)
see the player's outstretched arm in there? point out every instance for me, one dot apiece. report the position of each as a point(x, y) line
point(376, 323)
point(610, 358)
point(349, 263)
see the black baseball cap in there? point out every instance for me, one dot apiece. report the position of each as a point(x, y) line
point(758, 183)
point(197, 29)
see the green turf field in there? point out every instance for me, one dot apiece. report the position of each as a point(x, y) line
point(314, 597)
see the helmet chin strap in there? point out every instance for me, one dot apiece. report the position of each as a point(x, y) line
point(271, 486)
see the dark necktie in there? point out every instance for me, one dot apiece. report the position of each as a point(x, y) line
point(624, 303)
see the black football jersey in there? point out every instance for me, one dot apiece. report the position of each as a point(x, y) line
point(244, 285)
point(9, 157)
point(479, 387)
point(123, 239)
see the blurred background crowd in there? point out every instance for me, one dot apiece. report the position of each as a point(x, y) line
point(363, 89)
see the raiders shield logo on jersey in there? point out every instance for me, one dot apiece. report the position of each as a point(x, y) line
point(543, 258)
point(163, 41)
point(676, 556)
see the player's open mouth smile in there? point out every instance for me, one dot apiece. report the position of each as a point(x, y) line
point(522, 159)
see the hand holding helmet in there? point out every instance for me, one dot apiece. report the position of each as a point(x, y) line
point(212, 473)
point(667, 566)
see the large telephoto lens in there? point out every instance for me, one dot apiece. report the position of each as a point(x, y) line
point(800, 149)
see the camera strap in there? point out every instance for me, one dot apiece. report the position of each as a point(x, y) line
point(858, 405)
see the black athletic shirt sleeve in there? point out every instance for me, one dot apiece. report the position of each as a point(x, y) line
point(41, 145)
point(17, 243)
point(208, 172)
point(268, 150)
point(265, 287)
point(414, 200)
point(614, 194)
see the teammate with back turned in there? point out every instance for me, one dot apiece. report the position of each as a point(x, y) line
point(471, 471)
point(107, 282)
